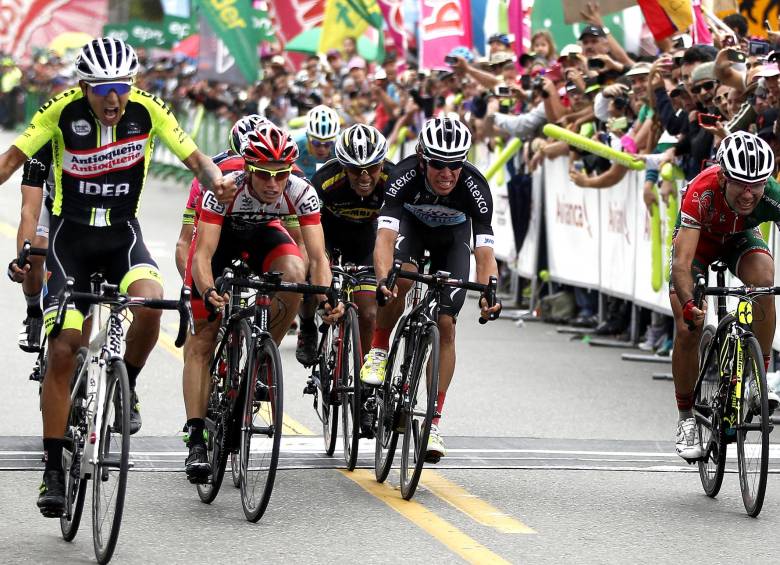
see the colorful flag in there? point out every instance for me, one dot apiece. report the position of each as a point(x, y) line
point(233, 26)
point(392, 10)
point(291, 17)
point(348, 18)
point(519, 19)
point(657, 20)
point(443, 26)
point(679, 11)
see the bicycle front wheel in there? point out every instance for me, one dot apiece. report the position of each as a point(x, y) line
point(351, 400)
point(109, 481)
point(419, 405)
point(753, 428)
point(329, 400)
point(261, 429)
point(388, 404)
point(75, 486)
point(709, 418)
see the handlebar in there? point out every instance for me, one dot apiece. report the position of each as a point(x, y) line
point(24, 254)
point(698, 297)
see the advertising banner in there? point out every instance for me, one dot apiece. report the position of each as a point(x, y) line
point(444, 24)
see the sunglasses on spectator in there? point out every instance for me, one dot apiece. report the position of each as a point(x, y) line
point(105, 88)
point(753, 188)
point(268, 174)
point(709, 85)
point(358, 171)
point(439, 165)
point(321, 142)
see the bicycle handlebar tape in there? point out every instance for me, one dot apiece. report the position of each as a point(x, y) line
point(591, 146)
point(490, 296)
point(212, 310)
point(185, 315)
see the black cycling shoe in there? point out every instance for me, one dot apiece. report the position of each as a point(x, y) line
point(30, 334)
point(306, 352)
point(51, 500)
point(135, 413)
point(197, 465)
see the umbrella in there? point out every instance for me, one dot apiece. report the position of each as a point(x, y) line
point(309, 41)
point(68, 41)
point(189, 46)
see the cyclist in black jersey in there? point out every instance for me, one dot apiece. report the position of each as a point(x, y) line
point(33, 226)
point(351, 188)
point(433, 201)
point(102, 134)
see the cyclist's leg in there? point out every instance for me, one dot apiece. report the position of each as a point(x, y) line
point(32, 286)
point(357, 247)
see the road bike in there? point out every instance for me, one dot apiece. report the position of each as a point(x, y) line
point(97, 435)
point(406, 401)
point(731, 393)
point(245, 406)
point(335, 377)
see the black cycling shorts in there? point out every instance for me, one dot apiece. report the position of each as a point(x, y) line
point(450, 251)
point(78, 250)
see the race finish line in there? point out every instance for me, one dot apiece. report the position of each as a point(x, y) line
point(167, 454)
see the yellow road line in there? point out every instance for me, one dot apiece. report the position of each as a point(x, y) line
point(475, 508)
point(440, 529)
point(291, 426)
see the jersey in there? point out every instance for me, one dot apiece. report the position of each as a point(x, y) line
point(704, 207)
point(100, 171)
point(408, 190)
point(340, 202)
point(308, 163)
point(236, 163)
point(246, 213)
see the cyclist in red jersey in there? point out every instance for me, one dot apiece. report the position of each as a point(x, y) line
point(718, 220)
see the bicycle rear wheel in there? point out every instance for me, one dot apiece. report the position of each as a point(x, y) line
point(388, 405)
point(236, 355)
point(709, 419)
point(75, 486)
point(329, 403)
point(753, 428)
point(109, 481)
point(418, 409)
point(261, 429)
point(351, 400)
point(235, 468)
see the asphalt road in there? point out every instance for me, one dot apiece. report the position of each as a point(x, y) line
point(559, 452)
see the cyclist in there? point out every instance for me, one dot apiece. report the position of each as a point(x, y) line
point(315, 149)
point(249, 227)
point(719, 214)
point(434, 200)
point(351, 188)
point(102, 133)
point(33, 226)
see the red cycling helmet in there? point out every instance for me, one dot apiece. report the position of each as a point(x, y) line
point(269, 144)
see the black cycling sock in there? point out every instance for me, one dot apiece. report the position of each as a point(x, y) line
point(33, 305)
point(52, 453)
point(132, 374)
point(195, 427)
point(308, 324)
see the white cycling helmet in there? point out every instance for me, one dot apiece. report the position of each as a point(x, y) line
point(323, 122)
point(360, 146)
point(106, 58)
point(745, 157)
point(241, 129)
point(444, 139)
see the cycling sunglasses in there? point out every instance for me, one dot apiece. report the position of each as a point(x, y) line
point(267, 174)
point(321, 143)
point(755, 188)
point(439, 165)
point(370, 170)
point(105, 88)
point(709, 85)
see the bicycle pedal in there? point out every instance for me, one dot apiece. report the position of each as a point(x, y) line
point(310, 389)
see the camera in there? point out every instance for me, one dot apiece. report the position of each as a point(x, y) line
point(502, 90)
point(525, 82)
point(596, 64)
point(621, 102)
point(758, 48)
point(450, 59)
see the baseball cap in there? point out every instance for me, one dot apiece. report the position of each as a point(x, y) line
point(500, 37)
point(501, 58)
point(571, 49)
point(596, 31)
point(769, 70)
point(638, 69)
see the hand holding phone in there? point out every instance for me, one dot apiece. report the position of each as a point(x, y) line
point(735, 56)
point(709, 120)
point(502, 91)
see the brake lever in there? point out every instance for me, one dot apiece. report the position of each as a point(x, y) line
point(490, 297)
point(392, 277)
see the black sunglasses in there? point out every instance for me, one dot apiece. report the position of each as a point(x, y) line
point(709, 85)
point(439, 165)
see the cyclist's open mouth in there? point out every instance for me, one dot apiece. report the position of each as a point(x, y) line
point(110, 114)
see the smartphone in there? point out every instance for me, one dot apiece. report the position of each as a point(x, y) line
point(525, 82)
point(503, 90)
point(735, 56)
point(450, 59)
point(729, 41)
point(758, 48)
point(708, 119)
point(596, 64)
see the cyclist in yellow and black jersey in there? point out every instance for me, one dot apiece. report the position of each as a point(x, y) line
point(102, 136)
point(351, 188)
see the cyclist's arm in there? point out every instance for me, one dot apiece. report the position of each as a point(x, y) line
point(384, 251)
point(486, 264)
point(209, 175)
point(208, 240)
point(10, 161)
point(314, 241)
point(183, 247)
point(32, 199)
point(684, 251)
point(294, 229)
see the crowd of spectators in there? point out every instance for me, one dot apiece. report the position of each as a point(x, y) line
point(673, 105)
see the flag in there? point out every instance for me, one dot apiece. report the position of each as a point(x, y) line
point(679, 11)
point(700, 32)
point(519, 21)
point(233, 26)
point(657, 20)
point(348, 18)
point(443, 26)
point(392, 10)
point(291, 17)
